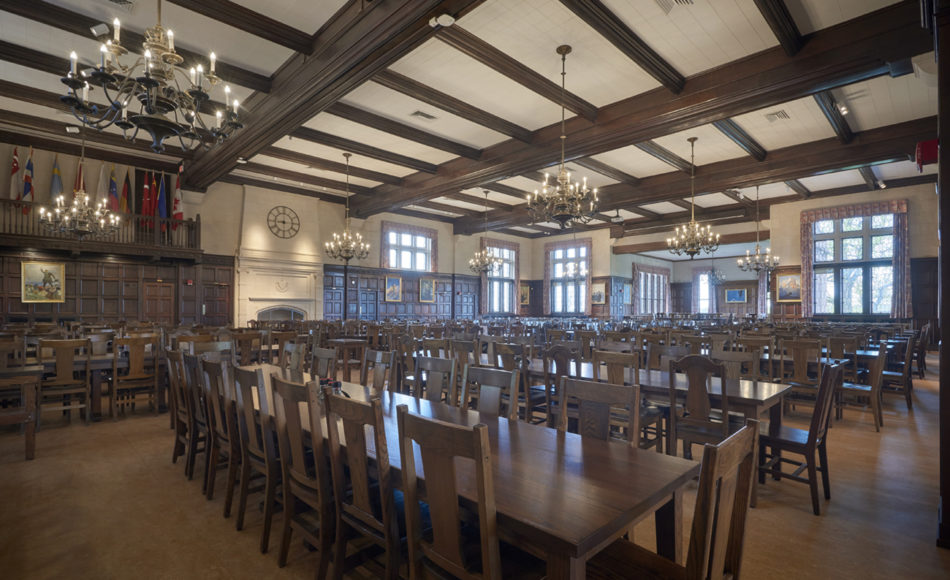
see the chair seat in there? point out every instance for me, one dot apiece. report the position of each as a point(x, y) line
point(622, 560)
point(856, 387)
point(786, 436)
point(516, 564)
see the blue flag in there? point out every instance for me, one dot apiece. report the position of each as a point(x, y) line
point(162, 205)
point(113, 191)
point(56, 183)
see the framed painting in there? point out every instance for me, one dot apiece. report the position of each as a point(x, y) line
point(42, 282)
point(598, 293)
point(736, 296)
point(525, 295)
point(393, 289)
point(628, 294)
point(788, 287)
point(426, 289)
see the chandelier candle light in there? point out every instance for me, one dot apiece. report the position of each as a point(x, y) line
point(563, 202)
point(347, 246)
point(152, 94)
point(483, 261)
point(758, 261)
point(692, 238)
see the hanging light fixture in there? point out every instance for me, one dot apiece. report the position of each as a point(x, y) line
point(758, 261)
point(576, 269)
point(151, 94)
point(348, 245)
point(716, 276)
point(563, 202)
point(483, 261)
point(692, 238)
point(80, 218)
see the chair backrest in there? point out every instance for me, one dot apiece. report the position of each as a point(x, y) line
point(293, 355)
point(302, 468)
point(176, 381)
point(596, 404)
point(802, 352)
point(464, 352)
point(216, 396)
point(323, 364)
point(696, 410)
point(738, 364)
point(554, 335)
point(137, 350)
point(281, 338)
point(257, 437)
point(440, 443)
point(435, 376)
point(247, 346)
point(100, 342)
point(222, 347)
point(194, 389)
point(587, 338)
point(12, 351)
point(506, 355)
point(490, 386)
point(657, 352)
point(181, 340)
point(380, 365)
point(65, 353)
point(436, 347)
point(831, 377)
point(908, 359)
point(405, 353)
point(722, 504)
point(621, 368)
point(363, 490)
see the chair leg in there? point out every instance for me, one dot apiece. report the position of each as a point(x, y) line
point(191, 450)
point(211, 471)
point(823, 465)
point(326, 540)
point(287, 530)
point(813, 482)
point(339, 551)
point(231, 481)
point(242, 494)
point(269, 496)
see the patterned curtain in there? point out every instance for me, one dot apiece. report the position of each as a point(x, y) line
point(808, 277)
point(635, 294)
point(762, 307)
point(901, 306)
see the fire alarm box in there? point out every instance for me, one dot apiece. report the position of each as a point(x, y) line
point(926, 153)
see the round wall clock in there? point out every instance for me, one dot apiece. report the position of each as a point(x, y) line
point(283, 222)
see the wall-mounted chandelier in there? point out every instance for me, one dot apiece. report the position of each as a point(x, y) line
point(151, 94)
point(79, 218)
point(348, 245)
point(483, 261)
point(563, 202)
point(692, 238)
point(758, 261)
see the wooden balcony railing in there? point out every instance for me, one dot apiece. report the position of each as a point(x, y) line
point(137, 234)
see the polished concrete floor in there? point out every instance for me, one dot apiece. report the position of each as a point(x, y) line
point(105, 501)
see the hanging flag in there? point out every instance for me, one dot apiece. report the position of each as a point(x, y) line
point(102, 186)
point(126, 188)
point(113, 191)
point(146, 200)
point(28, 183)
point(56, 182)
point(178, 212)
point(162, 204)
point(80, 184)
point(15, 176)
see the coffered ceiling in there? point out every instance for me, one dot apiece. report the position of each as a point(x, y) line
point(435, 115)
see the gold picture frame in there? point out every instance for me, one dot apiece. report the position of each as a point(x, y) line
point(427, 290)
point(393, 291)
point(598, 293)
point(736, 295)
point(42, 282)
point(788, 285)
point(525, 295)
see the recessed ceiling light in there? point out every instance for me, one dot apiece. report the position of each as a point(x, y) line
point(241, 160)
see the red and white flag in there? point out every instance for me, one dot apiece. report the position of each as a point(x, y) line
point(178, 210)
point(15, 176)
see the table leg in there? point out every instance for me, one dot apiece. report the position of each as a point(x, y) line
point(669, 540)
point(96, 396)
point(775, 425)
point(561, 566)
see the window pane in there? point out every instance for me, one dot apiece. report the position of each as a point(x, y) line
point(406, 239)
point(571, 252)
point(405, 260)
point(825, 251)
point(852, 248)
point(882, 221)
point(494, 296)
point(570, 298)
point(393, 262)
point(581, 296)
point(421, 241)
point(882, 289)
point(558, 270)
point(559, 298)
point(824, 291)
point(421, 261)
point(392, 237)
point(854, 224)
point(852, 290)
point(582, 251)
point(825, 227)
point(558, 254)
point(882, 246)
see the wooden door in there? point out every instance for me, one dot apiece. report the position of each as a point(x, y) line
point(160, 302)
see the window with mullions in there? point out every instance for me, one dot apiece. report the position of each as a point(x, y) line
point(653, 293)
point(408, 249)
point(853, 265)
point(501, 281)
point(569, 268)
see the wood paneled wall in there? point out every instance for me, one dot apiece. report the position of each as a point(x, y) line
point(738, 309)
point(613, 307)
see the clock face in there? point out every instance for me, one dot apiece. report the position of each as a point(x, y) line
point(283, 222)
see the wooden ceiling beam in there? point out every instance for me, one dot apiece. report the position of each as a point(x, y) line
point(829, 106)
point(475, 200)
point(798, 187)
point(506, 190)
point(58, 145)
point(327, 165)
point(740, 238)
point(255, 23)
point(79, 24)
point(278, 186)
point(714, 216)
point(731, 129)
point(605, 170)
point(782, 24)
point(645, 212)
point(465, 213)
point(425, 215)
point(354, 45)
point(605, 22)
point(852, 51)
point(420, 92)
point(869, 178)
point(499, 61)
point(681, 204)
point(380, 123)
point(298, 176)
point(314, 136)
point(736, 196)
point(664, 155)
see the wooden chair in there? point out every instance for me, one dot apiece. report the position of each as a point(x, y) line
point(12, 351)
point(307, 492)
point(808, 444)
point(323, 363)
point(624, 369)
point(864, 394)
point(440, 444)
point(492, 390)
point(588, 339)
point(248, 347)
point(696, 420)
point(406, 359)
point(552, 335)
point(842, 348)
point(435, 379)
point(656, 352)
point(805, 354)
point(183, 342)
point(899, 380)
point(597, 405)
point(920, 353)
point(362, 486)
point(718, 530)
point(436, 347)
point(100, 342)
point(738, 364)
point(198, 405)
point(762, 348)
point(223, 444)
point(139, 378)
point(557, 361)
point(293, 356)
point(258, 447)
point(381, 367)
point(27, 389)
point(279, 339)
point(183, 419)
point(66, 382)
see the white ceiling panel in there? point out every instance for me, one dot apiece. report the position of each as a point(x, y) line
point(578, 173)
point(885, 101)
point(314, 188)
point(304, 15)
point(806, 123)
point(519, 182)
point(394, 105)
point(445, 69)
point(713, 200)
point(629, 215)
point(711, 147)
point(634, 161)
point(902, 169)
point(812, 15)
point(522, 229)
point(530, 31)
point(291, 166)
point(662, 207)
point(433, 211)
point(767, 191)
point(833, 180)
point(493, 196)
point(380, 139)
point(460, 204)
point(334, 154)
point(698, 37)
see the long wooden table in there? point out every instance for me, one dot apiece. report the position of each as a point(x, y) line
point(559, 496)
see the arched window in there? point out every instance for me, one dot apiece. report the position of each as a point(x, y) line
point(281, 313)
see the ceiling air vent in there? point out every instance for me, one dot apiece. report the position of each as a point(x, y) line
point(667, 5)
point(780, 115)
point(423, 115)
point(126, 5)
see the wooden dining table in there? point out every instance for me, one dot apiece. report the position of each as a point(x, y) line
point(349, 349)
point(558, 495)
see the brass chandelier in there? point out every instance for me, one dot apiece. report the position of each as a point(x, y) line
point(692, 238)
point(483, 261)
point(758, 261)
point(152, 94)
point(348, 245)
point(563, 202)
